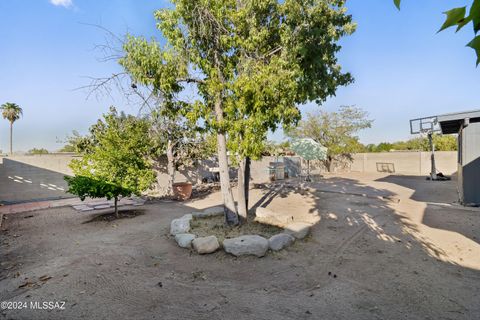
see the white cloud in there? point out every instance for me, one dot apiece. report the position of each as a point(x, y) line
point(63, 3)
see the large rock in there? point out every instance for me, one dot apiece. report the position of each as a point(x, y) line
point(179, 226)
point(280, 241)
point(214, 211)
point(206, 244)
point(210, 212)
point(298, 229)
point(184, 240)
point(246, 245)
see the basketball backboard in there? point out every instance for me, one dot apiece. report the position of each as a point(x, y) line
point(424, 125)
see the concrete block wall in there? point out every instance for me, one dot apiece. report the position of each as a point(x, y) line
point(414, 163)
point(38, 177)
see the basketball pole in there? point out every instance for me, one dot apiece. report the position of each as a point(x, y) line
point(426, 126)
point(433, 171)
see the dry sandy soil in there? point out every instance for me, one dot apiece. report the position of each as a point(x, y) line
point(397, 253)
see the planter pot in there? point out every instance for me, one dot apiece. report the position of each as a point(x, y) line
point(182, 190)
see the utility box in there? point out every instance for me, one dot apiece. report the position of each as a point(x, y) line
point(467, 126)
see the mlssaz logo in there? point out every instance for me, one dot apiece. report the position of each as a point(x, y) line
point(47, 305)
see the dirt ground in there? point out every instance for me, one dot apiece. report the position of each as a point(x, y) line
point(382, 247)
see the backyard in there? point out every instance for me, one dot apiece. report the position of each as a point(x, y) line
point(239, 159)
point(382, 247)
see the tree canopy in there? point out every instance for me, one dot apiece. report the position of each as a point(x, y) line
point(334, 130)
point(441, 142)
point(11, 111)
point(116, 162)
point(76, 142)
point(38, 151)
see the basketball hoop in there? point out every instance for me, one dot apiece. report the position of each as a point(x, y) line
point(427, 126)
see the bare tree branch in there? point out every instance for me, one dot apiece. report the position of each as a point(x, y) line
point(191, 80)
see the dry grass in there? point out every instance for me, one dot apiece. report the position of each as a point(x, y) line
point(216, 226)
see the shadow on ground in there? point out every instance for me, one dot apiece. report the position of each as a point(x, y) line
point(426, 190)
point(110, 215)
point(441, 232)
point(23, 182)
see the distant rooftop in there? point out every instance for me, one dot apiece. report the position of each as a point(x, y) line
point(451, 122)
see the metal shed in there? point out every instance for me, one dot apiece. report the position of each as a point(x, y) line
point(467, 126)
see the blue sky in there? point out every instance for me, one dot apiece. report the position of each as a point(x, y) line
point(402, 68)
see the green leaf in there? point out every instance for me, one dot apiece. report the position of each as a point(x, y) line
point(397, 3)
point(475, 45)
point(475, 15)
point(454, 17)
point(476, 25)
point(475, 9)
point(462, 23)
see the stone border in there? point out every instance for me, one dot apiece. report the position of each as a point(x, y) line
point(243, 245)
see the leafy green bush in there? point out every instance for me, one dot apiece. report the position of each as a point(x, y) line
point(88, 187)
point(117, 164)
point(37, 151)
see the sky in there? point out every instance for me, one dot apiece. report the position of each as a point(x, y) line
point(402, 68)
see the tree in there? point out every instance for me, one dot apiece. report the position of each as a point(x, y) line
point(255, 62)
point(273, 148)
point(116, 163)
point(173, 134)
point(75, 143)
point(335, 131)
point(38, 151)
point(458, 17)
point(12, 112)
point(68, 148)
point(444, 142)
point(183, 146)
point(285, 56)
point(441, 142)
point(381, 147)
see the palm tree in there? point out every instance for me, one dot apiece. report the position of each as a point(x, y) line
point(12, 112)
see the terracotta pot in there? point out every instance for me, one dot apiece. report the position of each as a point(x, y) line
point(182, 190)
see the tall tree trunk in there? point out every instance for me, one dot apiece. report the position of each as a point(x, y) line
point(328, 163)
point(231, 216)
point(230, 211)
point(115, 201)
point(247, 181)
point(170, 167)
point(243, 188)
point(11, 138)
point(241, 197)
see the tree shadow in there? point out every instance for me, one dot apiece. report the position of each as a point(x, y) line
point(458, 220)
point(268, 196)
point(351, 206)
point(425, 190)
point(110, 215)
point(23, 182)
point(447, 215)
